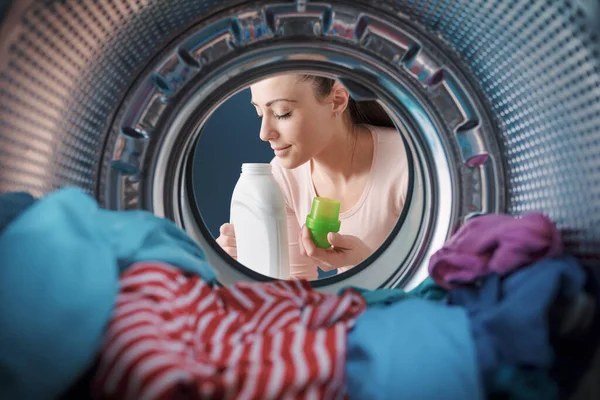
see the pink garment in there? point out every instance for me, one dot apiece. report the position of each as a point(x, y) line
point(371, 219)
point(494, 243)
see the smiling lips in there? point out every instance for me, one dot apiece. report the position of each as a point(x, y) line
point(281, 151)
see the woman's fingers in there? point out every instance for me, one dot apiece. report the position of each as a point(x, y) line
point(227, 230)
point(307, 246)
point(228, 244)
point(323, 256)
point(227, 241)
point(232, 251)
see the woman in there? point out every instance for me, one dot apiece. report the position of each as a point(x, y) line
point(328, 145)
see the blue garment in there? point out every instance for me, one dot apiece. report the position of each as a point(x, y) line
point(59, 265)
point(519, 383)
point(412, 349)
point(11, 205)
point(428, 290)
point(510, 320)
point(577, 353)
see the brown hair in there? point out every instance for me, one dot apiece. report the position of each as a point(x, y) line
point(361, 112)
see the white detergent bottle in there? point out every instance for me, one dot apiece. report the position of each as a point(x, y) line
point(259, 219)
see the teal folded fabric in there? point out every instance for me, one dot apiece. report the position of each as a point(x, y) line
point(12, 205)
point(60, 259)
point(519, 383)
point(507, 382)
point(427, 290)
point(412, 349)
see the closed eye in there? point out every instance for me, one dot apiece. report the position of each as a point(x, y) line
point(284, 116)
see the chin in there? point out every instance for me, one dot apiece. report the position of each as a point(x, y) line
point(290, 162)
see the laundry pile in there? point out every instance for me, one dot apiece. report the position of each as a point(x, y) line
point(124, 305)
point(505, 280)
point(175, 336)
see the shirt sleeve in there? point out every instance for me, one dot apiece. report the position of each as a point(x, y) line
point(301, 267)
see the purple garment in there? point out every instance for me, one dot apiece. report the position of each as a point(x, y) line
point(494, 243)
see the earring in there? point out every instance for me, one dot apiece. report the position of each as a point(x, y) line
point(336, 115)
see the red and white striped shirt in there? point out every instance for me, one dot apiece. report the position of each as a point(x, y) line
point(173, 336)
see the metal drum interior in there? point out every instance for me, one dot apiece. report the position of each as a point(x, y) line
point(91, 90)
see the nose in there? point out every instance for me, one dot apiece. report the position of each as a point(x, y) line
point(267, 130)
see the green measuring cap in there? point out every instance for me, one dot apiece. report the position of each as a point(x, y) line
point(323, 218)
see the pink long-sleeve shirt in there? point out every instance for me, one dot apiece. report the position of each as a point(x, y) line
point(371, 219)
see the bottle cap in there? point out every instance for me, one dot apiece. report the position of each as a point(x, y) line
point(323, 218)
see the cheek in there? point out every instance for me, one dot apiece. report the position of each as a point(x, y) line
point(308, 132)
point(292, 131)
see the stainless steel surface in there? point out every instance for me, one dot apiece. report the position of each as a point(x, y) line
point(69, 65)
point(501, 98)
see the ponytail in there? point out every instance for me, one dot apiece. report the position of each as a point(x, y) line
point(361, 112)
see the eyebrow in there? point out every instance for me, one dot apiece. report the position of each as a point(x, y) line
point(275, 101)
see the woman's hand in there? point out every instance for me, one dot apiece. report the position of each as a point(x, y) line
point(347, 250)
point(227, 240)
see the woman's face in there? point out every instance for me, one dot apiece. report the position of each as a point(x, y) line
point(296, 124)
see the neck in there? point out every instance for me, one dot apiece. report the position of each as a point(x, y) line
point(349, 153)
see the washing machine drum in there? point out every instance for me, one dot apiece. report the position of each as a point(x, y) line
point(109, 95)
point(499, 100)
